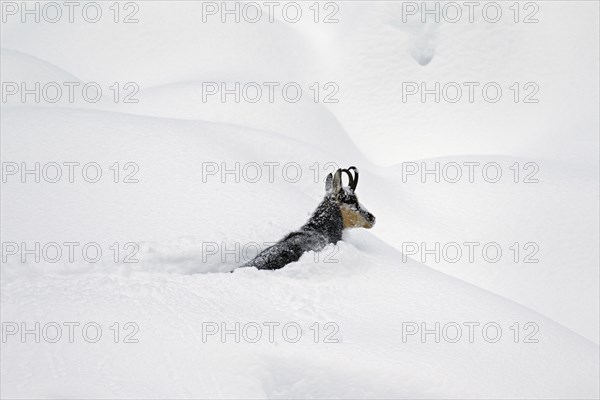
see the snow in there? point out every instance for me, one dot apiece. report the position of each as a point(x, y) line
point(366, 286)
point(368, 294)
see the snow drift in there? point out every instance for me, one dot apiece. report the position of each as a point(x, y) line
point(369, 292)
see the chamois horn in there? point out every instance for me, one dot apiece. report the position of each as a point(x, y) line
point(353, 180)
point(350, 177)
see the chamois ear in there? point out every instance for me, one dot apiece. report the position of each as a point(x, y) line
point(337, 182)
point(329, 184)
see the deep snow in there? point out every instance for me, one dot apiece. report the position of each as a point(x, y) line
point(176, 287)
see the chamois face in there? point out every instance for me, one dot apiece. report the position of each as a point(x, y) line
point(354, 214)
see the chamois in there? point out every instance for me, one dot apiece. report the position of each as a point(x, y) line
point(339, 210)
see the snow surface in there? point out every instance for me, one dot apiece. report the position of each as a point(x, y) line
point(373, 288)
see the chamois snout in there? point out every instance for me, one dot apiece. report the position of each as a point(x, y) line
point(369, 220)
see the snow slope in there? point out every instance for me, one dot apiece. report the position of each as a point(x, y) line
point(368, 301)
point(369, 43)
point(172, 213)
point(369, 292)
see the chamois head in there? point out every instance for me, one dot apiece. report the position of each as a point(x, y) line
point(354, 214)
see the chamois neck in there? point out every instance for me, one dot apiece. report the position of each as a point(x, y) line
point(327, 220)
